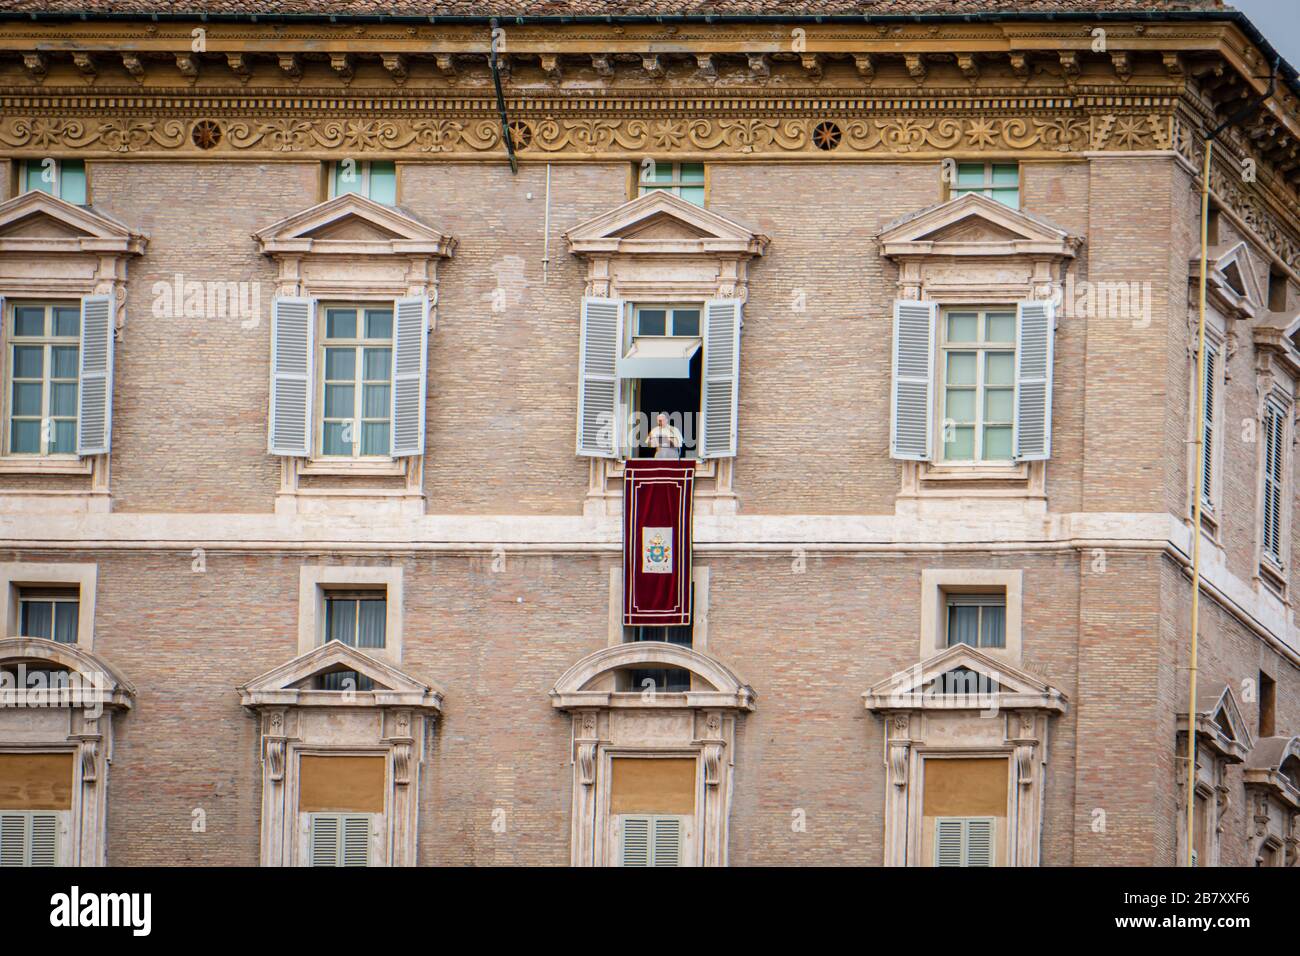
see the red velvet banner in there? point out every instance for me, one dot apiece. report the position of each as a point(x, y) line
point(657, 498)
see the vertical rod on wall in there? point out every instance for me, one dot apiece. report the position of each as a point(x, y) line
point(546, 237)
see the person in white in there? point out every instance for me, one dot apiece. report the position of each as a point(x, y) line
point(665, 439)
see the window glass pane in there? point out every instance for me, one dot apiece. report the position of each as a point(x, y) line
point(65, 622)
point(1000, 368)
point(651, 322)
point(72, 181)
point(340, 364)
point(65, 438)
point(27, 398)
point(378, 364)
point(38, 618)
point(332, 442)
point(693, 194)
point(341, 620)
point(961, 368)
point(993, 632)
point(1006, 174)
point(997, 443)
point(970, 174)
point(29, 361)
point(347, 177)
point(375, 401)
point(63, 361)
point(686, 322)
point(370, 632)
point(383, 182)
point(67, 321)
point(655, 172)
point(1000, 327)
point(374, 438)
point(692, 172)
point(963, 625)
point(998, 404)
point(959, 443)
point(341, 324)
point(963, 326)
point(379, 324)
point(339, 401)
point(1008, 197)
point(25, 437)
point(29, 321)
point(961, 405)
point(63, 399)
point(40, 176)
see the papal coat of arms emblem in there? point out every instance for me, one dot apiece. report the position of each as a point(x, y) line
point(656, 551)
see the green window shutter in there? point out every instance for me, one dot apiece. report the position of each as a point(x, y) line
point(912, 395)
point(634, 849)
point(410, 367)
point(964, 841)
point(979, 842)
point(95, 392)
point(292, 322)
point(721, 388)
point(356, 840)
point(667, 848)
point(598, 387)
point(44, 840)
point(324, 839)
point(29, 839)
point(947, 842)
point(1034, 347)
point(13, 839)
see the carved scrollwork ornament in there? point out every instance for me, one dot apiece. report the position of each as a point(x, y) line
point(587, 764)
point(275, 759)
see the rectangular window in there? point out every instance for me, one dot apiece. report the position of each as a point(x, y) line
point(356, 362)
point(29, 838)
point(64, 178)
point(978, 620)
point(650, 840)
point(681, 179)
point(963, 841)
point(49, 613)
point(42, 374)
point(1277, 287)
point(340, 839)
point(374, 179)
point(1000, 181)
point(977, 373)
point(1274, 467)
point(1267, 705)
point(663, 371)
point(357, 619)
point(671, 680)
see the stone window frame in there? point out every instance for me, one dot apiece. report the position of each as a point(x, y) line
point(316, 580)
point(91, 261)
point(920, 725)
point(664, 271)
point(971, 273)
point(1273, 800)
point(1277, 376)
point(394, 719)
point(699, 606)
point(1216, 750)
point(15, 575)
point(936, 582)
point(82, 727)
point(360, 271)
point(607, 723)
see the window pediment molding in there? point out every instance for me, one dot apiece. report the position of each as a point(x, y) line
point(975, 226)
point(37, 222)
point(1274, 336)
point(109, 688)
point(1217, 708)
point(726, 689)
point(351, 225)
point(660, 223)
point(1274, 765)
point(1231, 283)
point(915, 688)
point(280, 687)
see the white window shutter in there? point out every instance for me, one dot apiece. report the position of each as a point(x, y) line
point(598, 386)
point(721, 387)
point(293, 322)
point(29, 839)
point(410, 366)
point(324, 840)
point(635, 841)
point(95, 389)
point(356, 840)
point(979, 842)
point(1207, 421)
point(911, 413)
point(667, 849)
point(948, 842)
point(1034, 346)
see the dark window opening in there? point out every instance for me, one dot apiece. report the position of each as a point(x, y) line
point(1212, 225)
point(679, 399)
point(669, 680)
point(1267, 705)
point(51, 614)
point(1276, 290)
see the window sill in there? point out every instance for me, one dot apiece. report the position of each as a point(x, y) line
point(356, 467)
point(704, 467)
point(46, 465)
point(1273, 578)
point(1016, 471)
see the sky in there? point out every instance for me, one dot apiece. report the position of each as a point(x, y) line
point(1279, 21)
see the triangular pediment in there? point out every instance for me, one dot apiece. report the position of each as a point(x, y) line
point(292, 683)
point(660, 222)
point(1219, 721)
point(1231, 279)
point(974, 225)
point(37, 221)
point(353, 224)
point(963, 678)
